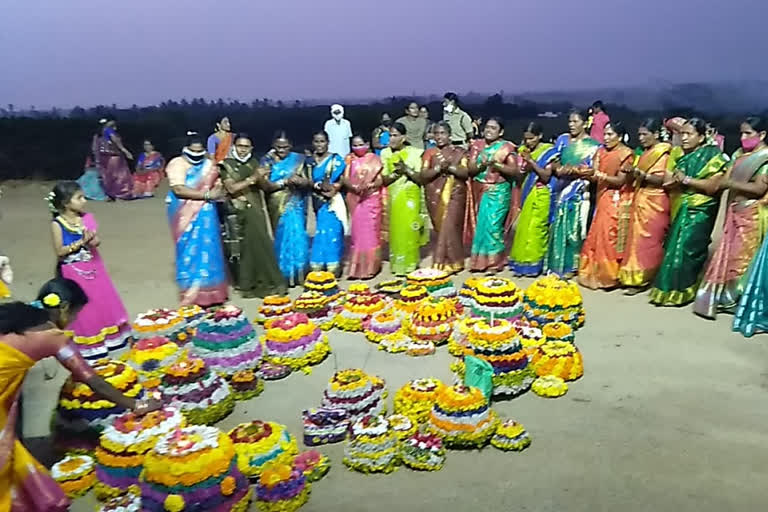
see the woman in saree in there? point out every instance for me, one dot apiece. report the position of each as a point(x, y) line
point(697, 176)
point(380, 137)
point(407, 211)
point(286, 187)
point(363, 182)
point(493, 167)
point(113, 163)
point(649, 212)
point(90, 181)
point(28, 334)
point(247, 231)
point(219, 143)
point(529, 246)
point(603, 248)
point(746, 182)
point(444, 172)
point(325, 170)
point(149, 171)
point(201, 272)
point(571, 203)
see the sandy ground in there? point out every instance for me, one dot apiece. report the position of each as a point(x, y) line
point(670, 415)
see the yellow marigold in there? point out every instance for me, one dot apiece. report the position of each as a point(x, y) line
point(274, 474)
point(174, 503)
point(228, 486)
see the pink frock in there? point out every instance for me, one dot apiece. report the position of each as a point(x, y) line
point(103, 324)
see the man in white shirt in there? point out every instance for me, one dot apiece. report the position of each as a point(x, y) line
point(339, 131)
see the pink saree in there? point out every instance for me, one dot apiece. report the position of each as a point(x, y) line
point(365, 216)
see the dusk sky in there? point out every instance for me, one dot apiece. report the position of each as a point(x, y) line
point(88, 52)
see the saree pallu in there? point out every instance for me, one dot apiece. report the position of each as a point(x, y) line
point(648, 222)
point(90, 182)
point(571, 208)
point(25, 485)
point(446, 202)
point(149, 173)
point(603, 248)
point(246, 234)
point(743, 233)
point(200, 269)
point(687, 245)
point(328, 242)
point(102, 325)
point(751, 316)
point(532, 234)
point(288, 213)
point(365, 217)
point(492, 200)
point(223, 146)
point(115, 174)
point(407, 212)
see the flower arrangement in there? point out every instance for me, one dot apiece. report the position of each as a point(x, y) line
point(551, 299)
point(274, 306)
point(497, 298)
point(272, 371)
point(313, 464)
point(550, 386)
point(392, 286)
point(433, 321)
point(436, 281)
point(423, 452)
point(511, 436)
point(558, 358)
point(468, 292)
point(462, 417)
point(281, 488)
point(245, 385)
point(260, 443)
point(558, 331)
point(193, 465)
point(358, 309)
point(356, 392)
point(359, 289)
point(416, 398)
point(372, 446)
point(317, 307)
point(531, 337)
point(418, 348)
point(324, 426)
point(296, 342)
point(148, 356)
point(401, 425)
point(202, 396)
point(396, 342)
point(75, 475)
point(123, 446)
point(381, 325)
point(458, 342)
point(128, 502)
point(158, 322)
point(410, 299)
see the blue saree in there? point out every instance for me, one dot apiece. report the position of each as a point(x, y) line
point(200, 270)
point(328, 243)
point(288, 213)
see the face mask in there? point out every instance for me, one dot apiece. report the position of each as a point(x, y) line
point(387, 123)
point(361, 150)
point(750, 143)
point(193, 157)
point(243, 159)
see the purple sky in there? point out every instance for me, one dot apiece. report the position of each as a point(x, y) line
point(87, 52)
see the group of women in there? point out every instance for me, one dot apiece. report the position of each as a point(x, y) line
point(603, 213)
point(107, 173)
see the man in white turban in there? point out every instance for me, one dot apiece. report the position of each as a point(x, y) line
point(339, 131)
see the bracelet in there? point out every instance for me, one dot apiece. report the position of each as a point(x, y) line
point(686, 180)
point(207, 195)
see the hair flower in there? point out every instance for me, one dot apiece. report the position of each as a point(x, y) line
point(52, 300)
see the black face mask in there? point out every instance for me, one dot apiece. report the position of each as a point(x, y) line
point(386, 124)
point(193, 158)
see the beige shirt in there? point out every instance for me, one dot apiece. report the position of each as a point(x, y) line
point(415, 130)
point(460, 123)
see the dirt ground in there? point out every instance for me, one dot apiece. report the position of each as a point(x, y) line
point(670, 414)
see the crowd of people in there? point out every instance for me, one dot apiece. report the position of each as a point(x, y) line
point(583, 205)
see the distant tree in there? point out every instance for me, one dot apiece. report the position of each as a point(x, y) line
point(297, 104)
point(280, 104)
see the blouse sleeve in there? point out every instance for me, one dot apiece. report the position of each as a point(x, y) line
point(213, 142)
point(71, 359)
point(176, 173)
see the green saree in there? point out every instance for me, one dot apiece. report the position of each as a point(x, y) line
point(246, 236)
point(407, 212)
point(687, 245)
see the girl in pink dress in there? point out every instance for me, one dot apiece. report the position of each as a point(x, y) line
point(28, 334)
point(103, 324)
